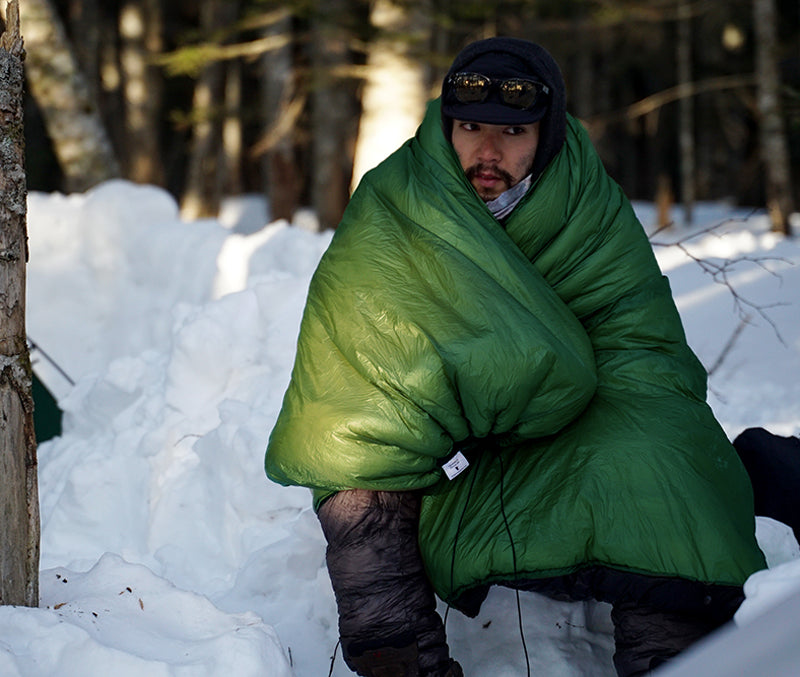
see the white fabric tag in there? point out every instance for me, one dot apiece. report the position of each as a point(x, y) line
point(455, 466)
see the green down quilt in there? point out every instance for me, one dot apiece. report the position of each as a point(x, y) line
point(547, 349)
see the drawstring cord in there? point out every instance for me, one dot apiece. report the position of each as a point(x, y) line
point(513, 551)
point(458, 533)
point(514, 563)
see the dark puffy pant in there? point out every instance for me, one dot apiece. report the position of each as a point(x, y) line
point(387, 610)
point(647, 638)
point(388, 622)
point(654, 618)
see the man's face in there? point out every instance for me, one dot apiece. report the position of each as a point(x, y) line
point(495, 157)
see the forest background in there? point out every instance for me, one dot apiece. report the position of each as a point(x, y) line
point(685, 99)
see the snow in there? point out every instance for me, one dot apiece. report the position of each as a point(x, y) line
point(165, 549)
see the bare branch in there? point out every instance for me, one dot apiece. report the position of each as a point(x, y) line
point(729, 345)
point(721, 271)
point(662, 98)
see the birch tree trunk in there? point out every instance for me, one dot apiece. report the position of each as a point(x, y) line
point(79, 139)
point(772, 131)
point(19, 496)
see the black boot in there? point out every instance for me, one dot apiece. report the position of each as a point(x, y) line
point(773, 463)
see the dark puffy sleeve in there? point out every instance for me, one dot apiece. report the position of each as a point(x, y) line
point(387, 609)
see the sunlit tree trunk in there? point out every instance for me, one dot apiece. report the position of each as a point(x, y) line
point(394, 95)
point(79, 139)
point(772, 133)
point(140, 33)
point(19, 499)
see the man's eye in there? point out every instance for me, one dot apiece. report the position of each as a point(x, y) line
point(513, 131)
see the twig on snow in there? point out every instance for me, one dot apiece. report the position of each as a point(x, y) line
point(729, 345)
point(721, 272)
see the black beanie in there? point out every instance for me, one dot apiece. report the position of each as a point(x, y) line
point(504, 58)
point(492, 110)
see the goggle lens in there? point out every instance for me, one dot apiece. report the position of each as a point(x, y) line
point(516, 93)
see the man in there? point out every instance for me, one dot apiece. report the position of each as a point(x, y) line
point(493, 386)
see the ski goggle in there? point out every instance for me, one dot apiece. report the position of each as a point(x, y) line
point(518, 93)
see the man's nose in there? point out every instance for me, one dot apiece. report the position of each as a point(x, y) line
point(489, 149)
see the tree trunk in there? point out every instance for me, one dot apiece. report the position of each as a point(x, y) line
point(772, 132)
point(140, 31)
point(281, 106)
point(84, 19)
point(232, 131)
point(203, 194)
point(333, 114)
point(79, 139)
point(19, 497)
point(579, 69)
point(394, 96)
point(686, 133)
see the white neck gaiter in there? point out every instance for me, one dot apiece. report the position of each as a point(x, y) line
point(504, 204)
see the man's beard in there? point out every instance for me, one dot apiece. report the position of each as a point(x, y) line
point(480, 168)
